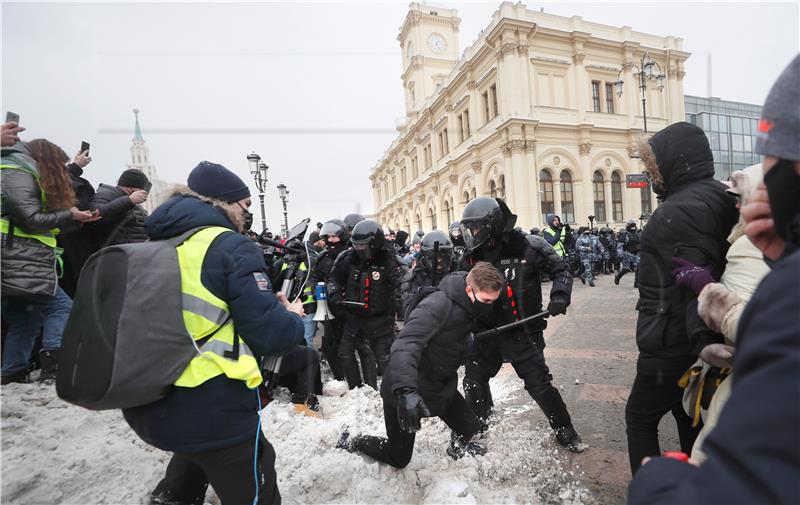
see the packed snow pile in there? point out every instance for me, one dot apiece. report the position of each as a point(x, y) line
point(53, 452)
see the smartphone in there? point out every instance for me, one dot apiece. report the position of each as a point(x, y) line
point(12, 117)
point(148, 186)
point(85, 147)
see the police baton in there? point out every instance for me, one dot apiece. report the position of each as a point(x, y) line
point(435, 262)
point(506, 327)
point(352, 304)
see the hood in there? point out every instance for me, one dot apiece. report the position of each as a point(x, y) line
point(185, 210)
point(454, 286)
point(676, 156)
point(550, 218)
point(400, 238)
point(20, 154)
point(744, 183)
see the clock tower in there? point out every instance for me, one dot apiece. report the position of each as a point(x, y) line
point(429, 42)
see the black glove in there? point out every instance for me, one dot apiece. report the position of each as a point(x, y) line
point(558, 304)
point(410, 409)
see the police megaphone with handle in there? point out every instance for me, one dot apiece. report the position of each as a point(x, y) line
point(321, 295)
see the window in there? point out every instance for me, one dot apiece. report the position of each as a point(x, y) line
point(463, 126)
point(501, 187)
point(432, 217)
point(465, 115)
point(596, 96)
point(492, 189)
point(394, 185)
point(444, 148)
point(414, 168)
point(419, 222)
point(466, 196)
point(493, 94)
point(448, 212)
point(599, 197)
point(486, 112)
point(567, 200)
point(428, 156)
point(616, 196)
point(546, 190)
point(609, 98)
point(402, 177)
point(647, 204)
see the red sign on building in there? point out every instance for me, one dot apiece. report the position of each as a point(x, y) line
point(636, 181)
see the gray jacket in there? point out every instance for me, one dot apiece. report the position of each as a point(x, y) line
point(28, 266)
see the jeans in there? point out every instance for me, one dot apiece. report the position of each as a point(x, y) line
point(310, 329)
point(26, 315)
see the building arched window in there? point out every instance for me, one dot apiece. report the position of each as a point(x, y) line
point(567, 199)
point(448, 211)
point(473, 193)
point(432, 217)
point(419, 223)
point(616, 197)
point(466, 196)
point(546, 191)
point(492, 189)
point(501, 187)
point(598, 185)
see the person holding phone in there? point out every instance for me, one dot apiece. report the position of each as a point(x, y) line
point(120, 206)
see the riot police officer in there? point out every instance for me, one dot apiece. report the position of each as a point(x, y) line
point(488, 229)
point(334, 233)
point(629, 247)
point(351, 220)
point(589, 249)
point(365, 283)
point(457, 240)
point(435, 261)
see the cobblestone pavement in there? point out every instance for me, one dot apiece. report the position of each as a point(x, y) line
point(591, 353)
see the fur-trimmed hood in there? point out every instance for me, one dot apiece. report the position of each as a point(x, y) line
point(744, 183)
point(184, 209)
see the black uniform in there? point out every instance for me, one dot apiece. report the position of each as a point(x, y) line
point(321, 272)
point(425, 359)
point(369, 329)
point(413, 280)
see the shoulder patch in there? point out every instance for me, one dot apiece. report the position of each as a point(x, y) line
point(262, 281)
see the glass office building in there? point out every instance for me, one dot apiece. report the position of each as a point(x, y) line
point(731, 131)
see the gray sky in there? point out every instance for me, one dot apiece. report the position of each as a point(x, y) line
point(314, 88)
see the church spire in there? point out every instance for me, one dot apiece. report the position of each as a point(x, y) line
point(137, 135)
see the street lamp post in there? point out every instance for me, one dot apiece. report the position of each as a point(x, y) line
point(259, 172)
point(283, 192)
point(644, 71)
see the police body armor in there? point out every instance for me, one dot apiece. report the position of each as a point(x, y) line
point(369, 284)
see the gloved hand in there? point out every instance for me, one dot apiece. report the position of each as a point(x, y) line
point(718, 355)
point(691, 276)
point(558, 304)
point(410, 409)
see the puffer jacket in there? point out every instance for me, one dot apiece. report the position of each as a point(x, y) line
point(692, 223)
point(28, 266)
point(432, 345)
point(122, 221)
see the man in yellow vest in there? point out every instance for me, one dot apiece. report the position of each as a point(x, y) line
point(556, 235)
point(210, 418)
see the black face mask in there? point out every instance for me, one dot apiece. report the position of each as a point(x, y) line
point(783, 187)
point(480, 309)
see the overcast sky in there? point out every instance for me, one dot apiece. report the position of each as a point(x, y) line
point(314, 88)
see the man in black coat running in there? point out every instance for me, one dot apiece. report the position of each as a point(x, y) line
point(691, 225)
point(421, 378)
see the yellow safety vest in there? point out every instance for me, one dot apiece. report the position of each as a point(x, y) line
point(47, 238)
point(204, 314)
point(559, 247)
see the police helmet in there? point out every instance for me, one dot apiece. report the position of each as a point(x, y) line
point(437, 252)
point(367, 239)
point(334, 227)
point(455, 229)
point(481, 220)
point(351, 220)
point(420, 233)
point(630, 225)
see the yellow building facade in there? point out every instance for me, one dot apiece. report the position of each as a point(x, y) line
point(529, 112)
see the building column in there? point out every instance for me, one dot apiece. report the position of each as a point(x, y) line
point(521, 203)
point(609, 202)
point(557, 195)
point(532, 184)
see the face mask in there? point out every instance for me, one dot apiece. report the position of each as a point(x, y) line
point(783, 187)
point(480, 309)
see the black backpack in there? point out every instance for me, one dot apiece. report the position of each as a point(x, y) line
point(417, 297)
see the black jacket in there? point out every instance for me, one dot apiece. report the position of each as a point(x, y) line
point(693, 223)
point(753, 451)
point(122, 221)
point(432, 345)
point(221, 412)
point(321, 270)
point(343, 284)
point(412, 281)
point(79, 244)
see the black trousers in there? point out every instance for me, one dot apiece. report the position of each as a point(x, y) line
point(526, 355)
point(651, 398)
point(300, 373)
point(330, 346)
point(372, 339)
point(228, 470)
point(396, 450)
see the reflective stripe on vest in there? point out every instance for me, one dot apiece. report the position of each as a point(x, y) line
point(47, 238)
point(559, 246)
point(203, 314)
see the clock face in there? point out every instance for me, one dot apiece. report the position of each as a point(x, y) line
point(437, 43)
point(410, 50)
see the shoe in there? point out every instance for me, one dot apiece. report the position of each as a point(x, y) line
point(458, 449)
point(619, 275)
point(49, 361)
point(591, 284)
point(18, 378)
point(344, 442)
point(583, 281)
point(569, 438)
point(309, 407)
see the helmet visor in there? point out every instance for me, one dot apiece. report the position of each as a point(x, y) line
point(441, 260)
point(475, 232)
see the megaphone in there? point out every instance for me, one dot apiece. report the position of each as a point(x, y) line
point(321, 295)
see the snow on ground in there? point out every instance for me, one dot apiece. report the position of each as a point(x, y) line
point(53, 452)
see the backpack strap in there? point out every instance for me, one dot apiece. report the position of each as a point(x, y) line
point(183, 237)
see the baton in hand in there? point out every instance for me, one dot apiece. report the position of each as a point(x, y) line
point(510, 326)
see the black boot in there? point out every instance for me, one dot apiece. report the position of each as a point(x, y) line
point(569, 438)
point(369, 367)
point(22, 377)
point(49, 361)
point(479, 398)
point(619, 275)
point(351, 371)
point(458, 448)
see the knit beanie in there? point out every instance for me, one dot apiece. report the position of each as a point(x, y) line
point(779, 128)
point(133, 178)
point(215, 181)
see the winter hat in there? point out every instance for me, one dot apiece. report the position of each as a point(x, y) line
point(313, 236)
point(215, 181)
point(133, 178)
point(779, 128)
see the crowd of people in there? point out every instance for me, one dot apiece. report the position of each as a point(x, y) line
point(716, 268)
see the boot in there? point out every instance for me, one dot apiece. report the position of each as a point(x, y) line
point(569, 438)
point(308, 406)
point(619, 275)
point(458, 448)
point(22, 377)
point(636, 278)
point(351, 371)
point(479, 398)
point(369, 368)
point(49, 361)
